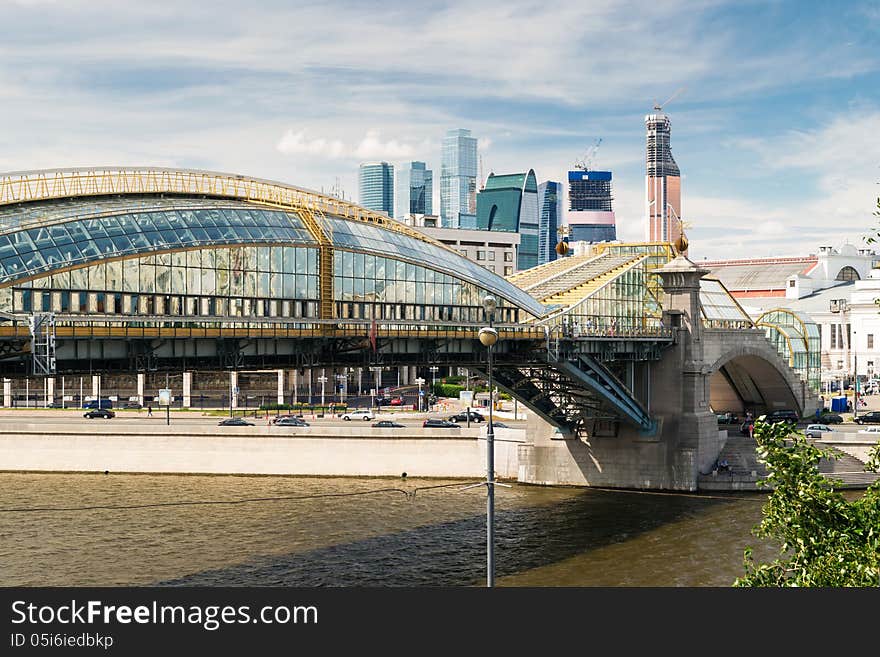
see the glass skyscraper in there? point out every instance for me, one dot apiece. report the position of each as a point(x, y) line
point(509, 203)
point(376, 187)
point(550, 208)
point(414, 190)
point(458, 180)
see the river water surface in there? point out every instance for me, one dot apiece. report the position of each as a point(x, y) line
point(545, 536)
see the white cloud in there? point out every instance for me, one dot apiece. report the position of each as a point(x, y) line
point(373, 148)
point(296, 143)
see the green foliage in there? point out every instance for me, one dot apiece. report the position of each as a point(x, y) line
point(447, 390)
point(826, 539)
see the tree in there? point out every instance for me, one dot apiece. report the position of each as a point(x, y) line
point(826, 540)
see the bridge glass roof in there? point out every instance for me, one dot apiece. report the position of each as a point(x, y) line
point(373, 239)
point(718, 306)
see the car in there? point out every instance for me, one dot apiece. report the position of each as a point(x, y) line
point(463, 417)
point(726, 418)
point(774, 417)
point(290, 421)
point(873, 430)
point(105, 403)
point(396, 401)
point(816, 430)
point(499, 425)
point(831, 418)
point(439, 423)
point(234, 422)
point(133, 405)
point(871, 417)
point(361, 414)
point(387, 424)
point(55, 404)
point(102, 413)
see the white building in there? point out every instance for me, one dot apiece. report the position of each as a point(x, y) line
point(495, 250)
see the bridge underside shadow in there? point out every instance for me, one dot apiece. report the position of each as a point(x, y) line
point(750, 383)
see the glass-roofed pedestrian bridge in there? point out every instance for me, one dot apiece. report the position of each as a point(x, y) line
point(132, 269)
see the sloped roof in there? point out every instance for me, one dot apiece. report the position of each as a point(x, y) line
point(758, 273)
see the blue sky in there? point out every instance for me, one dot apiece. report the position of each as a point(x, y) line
point(777, 130)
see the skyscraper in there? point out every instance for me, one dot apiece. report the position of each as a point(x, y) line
point(590, 214)
point(509, 203)
point(458, 180)
point(413, 191)
point(550, 210)
point(662, 183)
point(376, 187)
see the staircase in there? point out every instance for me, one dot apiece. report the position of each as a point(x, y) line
point(577, 276)
point(581, 291)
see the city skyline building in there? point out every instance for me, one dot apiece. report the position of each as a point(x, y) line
point(662, 182)
point(414, 189)
point(376, 187)
point(550, 219)
point(509, 203)
point(590, 215)
point(458, 180)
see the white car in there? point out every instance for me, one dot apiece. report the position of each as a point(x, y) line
point(364, 415)
point(874, 430)
point(816, 430)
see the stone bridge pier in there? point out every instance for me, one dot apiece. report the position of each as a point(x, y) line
point(729, 364)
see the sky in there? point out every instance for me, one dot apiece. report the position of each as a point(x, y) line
point(775, 116)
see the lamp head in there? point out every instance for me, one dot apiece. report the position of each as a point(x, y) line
point(490, 303)
point(488, 336)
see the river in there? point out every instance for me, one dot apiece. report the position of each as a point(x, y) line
point(545, 536)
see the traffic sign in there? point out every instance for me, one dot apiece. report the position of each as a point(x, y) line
point(165, 397)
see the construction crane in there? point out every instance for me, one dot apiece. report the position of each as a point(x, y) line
point(587, 162)
point(658, 107)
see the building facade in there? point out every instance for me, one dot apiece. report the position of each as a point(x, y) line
point(458, 180)
point(550, 208)
point(662, 183)
point(509, 203)
point(413, 190)
point(376, 187)
point(494, 250)
point(590, 212)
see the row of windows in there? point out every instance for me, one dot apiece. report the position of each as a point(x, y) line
point(281, 272)
point(43, 248)
point(404, 311)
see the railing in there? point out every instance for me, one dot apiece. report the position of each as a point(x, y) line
point(607, 327)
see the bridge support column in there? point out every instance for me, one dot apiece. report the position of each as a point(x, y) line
point(7, 392)
point(141, 380)
point(280, 397)
point(96, 385)
point(50, 390)
point(233, 387)
point(294, 378)
point(187, 389)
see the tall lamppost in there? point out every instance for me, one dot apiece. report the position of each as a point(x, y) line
point(433, 369)
point(488, 337)
point(322, 380)
point(420, 381)
point(343, 384)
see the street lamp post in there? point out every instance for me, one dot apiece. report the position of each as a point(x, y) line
point(322, 380)
point(433, 369)
point(343, 380)
point(488, 337)
point(420, 381)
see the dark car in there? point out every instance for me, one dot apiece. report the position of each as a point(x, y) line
point(94, 404)
point(463, 417)
point(727, 418)
point(499, 425)
point(290, 421)
point(102, 413)
point(438, 423)
point(132, 404)
point(871, 417)
point(234, 422)
point(387, 424)
point(831, 418)
point(773, 417)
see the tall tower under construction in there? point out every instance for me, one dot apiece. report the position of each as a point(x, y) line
point(662, 183)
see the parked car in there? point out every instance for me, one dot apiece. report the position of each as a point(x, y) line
point(871, 417)
point(132, 404)
point(870, 430)
point(831, 418)
point(361, 414)
point(726, 418)
point(463, 417)
point(102, 413)
point(290, 421)
point(439, 423)
point(816, 430)
point(499, 425)
point(105, 403)
point(234, 422)
point(396, 401)
point(774, 417)
point(55, 404)
point(387, 424)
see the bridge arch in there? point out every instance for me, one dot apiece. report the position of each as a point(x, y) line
point(752, 377)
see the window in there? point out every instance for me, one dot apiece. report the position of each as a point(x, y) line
point(870, 340)
point(508, 256)
point(508, 271)
point(791, 283)
point(833, 336)
point(481, 255)
point(491, 255)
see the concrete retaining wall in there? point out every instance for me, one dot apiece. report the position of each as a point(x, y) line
point(270, 452)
